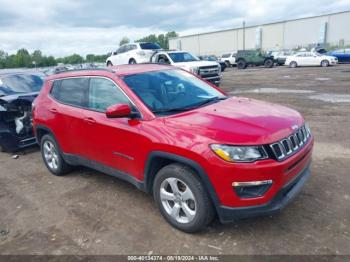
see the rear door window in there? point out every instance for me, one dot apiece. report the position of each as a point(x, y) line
point(149, 46)
point(72, 91)
point(121, 49)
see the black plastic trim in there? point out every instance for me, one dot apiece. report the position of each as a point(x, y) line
point(148, 177)
point(81, 161)
point(281, 200)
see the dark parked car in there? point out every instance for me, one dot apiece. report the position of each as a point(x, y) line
point(213, 58)
point(17, 93)
point(343, 55)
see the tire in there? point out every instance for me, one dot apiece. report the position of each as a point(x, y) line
point(268, 63)
point(191, 203)
point(324, 63)
point(132, 61)
point(293, 64)
point(51, 150)
point(227, 63)
point(109, 64)
point(241, 64)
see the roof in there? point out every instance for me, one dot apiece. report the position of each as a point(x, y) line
point(120, 70)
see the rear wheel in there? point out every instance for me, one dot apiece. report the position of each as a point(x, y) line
point(182, 199)
point(132, 61)
point(52, 156)
point(241, 64)
point(324, 63)
point(268, 63)
point(293, 64)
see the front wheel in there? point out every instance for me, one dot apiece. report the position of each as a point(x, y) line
point(293, 64)
point(182, 199)
point(109, 64)
point(52, 156)
point(325, 63)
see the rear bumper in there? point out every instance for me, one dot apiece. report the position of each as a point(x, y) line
point(282, 199)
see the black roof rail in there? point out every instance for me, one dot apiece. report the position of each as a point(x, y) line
point(85, 69)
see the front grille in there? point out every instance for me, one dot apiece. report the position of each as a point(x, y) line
point(290, 145)
point(206, 71)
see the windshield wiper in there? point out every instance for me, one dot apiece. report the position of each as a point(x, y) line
point(182, 109)
point(168, 110)
point(207, 101)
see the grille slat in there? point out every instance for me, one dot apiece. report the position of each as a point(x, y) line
point(290, 145)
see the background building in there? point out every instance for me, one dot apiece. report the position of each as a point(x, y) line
point(330, 29)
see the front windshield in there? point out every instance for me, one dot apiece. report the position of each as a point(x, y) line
point(17, 84)
point(179, 57)
point(171, 91)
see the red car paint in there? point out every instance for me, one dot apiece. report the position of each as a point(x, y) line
point(235, 121)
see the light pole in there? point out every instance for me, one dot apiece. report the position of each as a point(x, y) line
point(243, 35)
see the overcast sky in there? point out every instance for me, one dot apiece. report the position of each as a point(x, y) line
point(63, 27)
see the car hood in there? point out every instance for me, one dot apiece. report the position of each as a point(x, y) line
point(6, 101)
point(187, 65)
point(239, 121)
point(24, 96)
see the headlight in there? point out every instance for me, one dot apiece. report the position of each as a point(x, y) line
point(194, 70)
point(239, 153)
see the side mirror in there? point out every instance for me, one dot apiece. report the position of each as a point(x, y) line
point(114, 53)
point(118, 111)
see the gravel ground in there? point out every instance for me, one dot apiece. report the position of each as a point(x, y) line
point(87, 212)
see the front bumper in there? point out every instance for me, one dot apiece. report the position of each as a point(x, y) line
point(11, 143)
point(214, 79)
point(282, 198)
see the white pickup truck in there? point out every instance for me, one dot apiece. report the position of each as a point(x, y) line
point(208, 70)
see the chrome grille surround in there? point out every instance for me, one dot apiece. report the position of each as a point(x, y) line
point(209, 70)
point(290, 145)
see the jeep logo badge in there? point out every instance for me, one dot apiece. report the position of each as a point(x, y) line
point(294, 127)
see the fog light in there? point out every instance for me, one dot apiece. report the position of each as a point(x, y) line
point(251, 189)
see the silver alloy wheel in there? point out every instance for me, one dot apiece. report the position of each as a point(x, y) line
point(324, 63)
point(293, 64)
point(178, 200)
point(50, 154)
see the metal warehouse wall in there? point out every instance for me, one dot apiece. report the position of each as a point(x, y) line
point(280, 35)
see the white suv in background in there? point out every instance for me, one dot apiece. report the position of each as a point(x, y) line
point(229, 59)
point(132, 54)
point(207, 70)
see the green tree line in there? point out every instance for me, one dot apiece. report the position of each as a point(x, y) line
point(24, 59)
point(36, 59)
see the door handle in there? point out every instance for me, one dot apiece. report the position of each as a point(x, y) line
point(53, 110)
point(90, 120)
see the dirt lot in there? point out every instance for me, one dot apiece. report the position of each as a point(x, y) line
point(91, 213)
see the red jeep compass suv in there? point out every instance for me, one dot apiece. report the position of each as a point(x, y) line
point(168, 132)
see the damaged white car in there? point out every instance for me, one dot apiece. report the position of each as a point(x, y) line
point(17, 93)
